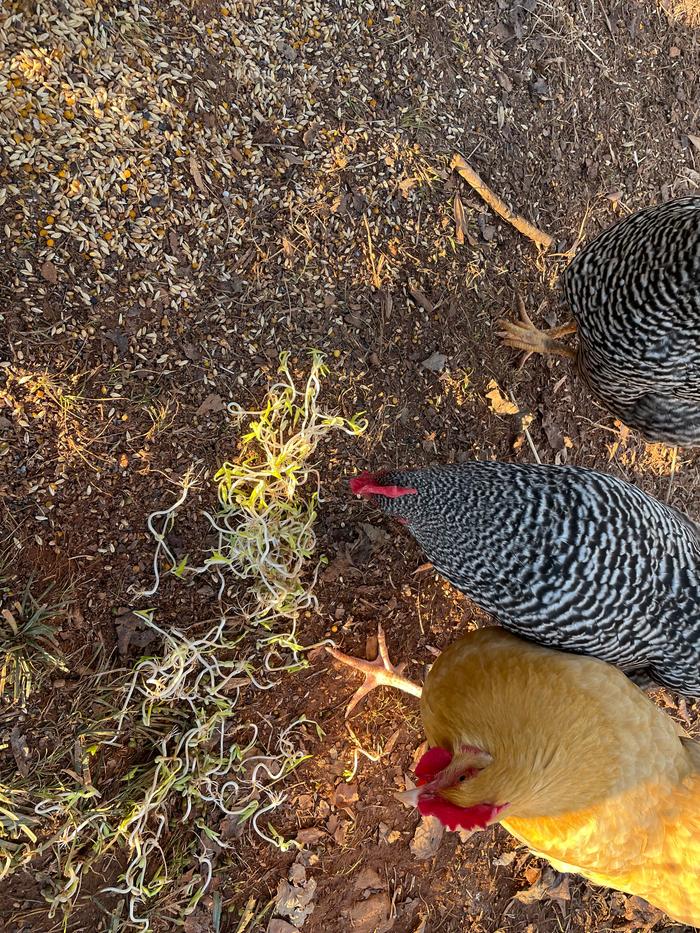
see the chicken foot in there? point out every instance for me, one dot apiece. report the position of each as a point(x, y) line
point(523, 335)
point(378, 673)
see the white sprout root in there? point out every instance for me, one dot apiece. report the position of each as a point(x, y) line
point(206, 763)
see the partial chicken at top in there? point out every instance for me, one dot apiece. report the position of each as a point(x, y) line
point(634, 293)
point(566, 557)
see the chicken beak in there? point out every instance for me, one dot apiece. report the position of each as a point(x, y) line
point(409, 798)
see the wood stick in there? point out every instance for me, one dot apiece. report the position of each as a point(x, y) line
point(499, 206)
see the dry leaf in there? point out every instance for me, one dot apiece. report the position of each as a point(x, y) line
point(287, 247)
point(499, 404)
point(393, 739)
point(49, 272)
point(695, 140)
point(427, 837)
point(212, 402)
point(372, 915)
point(196, 174)
point(460, 220)
point(294, 901)
point(20, 750)
point(175, 247)
point(435, 362)
point(406, 184)
point(345, 796)
point(368, 880)
point(420, 299)
point(505, 859)
point(549, 885)
point(310, 836)
point(280, 926)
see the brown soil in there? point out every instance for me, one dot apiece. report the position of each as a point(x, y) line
point(341, 236)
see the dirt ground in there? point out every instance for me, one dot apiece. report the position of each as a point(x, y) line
point(210, 185)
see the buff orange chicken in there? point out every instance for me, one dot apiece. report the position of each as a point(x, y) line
point(568, 754)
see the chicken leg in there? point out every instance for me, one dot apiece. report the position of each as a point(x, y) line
point(378, 673)
point(523, 335)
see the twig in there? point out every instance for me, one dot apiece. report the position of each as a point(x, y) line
point(674, 458)
point(526, 432)
point(499, 206)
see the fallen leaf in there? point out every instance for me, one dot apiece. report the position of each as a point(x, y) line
point(345, 796)
point(131, 630)
point(287, 247)
point(340, 835)
point(196, 174)
point(554, 435)
point(540, 88)
point(212, 402)
point(175, 247)
point(294, 901)
point(310, 836)
point(406, 184)
point(505, 859)
point(499, 404)
point(393, 739)
point(460, 220)
point(376, 535)
point(435, 362)
point(280, 926)
point(20, 750)
point(372, 915)
point(427, 838)
point(548, 885)
point(695, 140)
point(49, 271)
point(369, 880)
point(421, 299)
point(642, 916)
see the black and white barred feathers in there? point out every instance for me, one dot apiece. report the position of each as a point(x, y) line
point(635, 294)
point(567, 557)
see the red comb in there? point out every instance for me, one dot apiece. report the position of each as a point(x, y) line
point(434, 760)
point(366, 485)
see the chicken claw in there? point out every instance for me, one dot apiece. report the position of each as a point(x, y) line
point(523, 335)
point(378, 673)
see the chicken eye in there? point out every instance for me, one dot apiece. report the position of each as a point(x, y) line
point(463, 777)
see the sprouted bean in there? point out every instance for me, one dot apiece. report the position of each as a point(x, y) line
point(210, 763)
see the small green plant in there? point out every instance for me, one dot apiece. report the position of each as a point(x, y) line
point(28, 644)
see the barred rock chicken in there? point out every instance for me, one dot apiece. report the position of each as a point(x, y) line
point(567, 557)
point(565, 752)
point(635, 296)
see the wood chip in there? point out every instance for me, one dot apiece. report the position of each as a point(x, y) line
point(460, 220)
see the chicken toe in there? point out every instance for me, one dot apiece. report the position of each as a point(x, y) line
point(523, 335)
point(378, 673)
